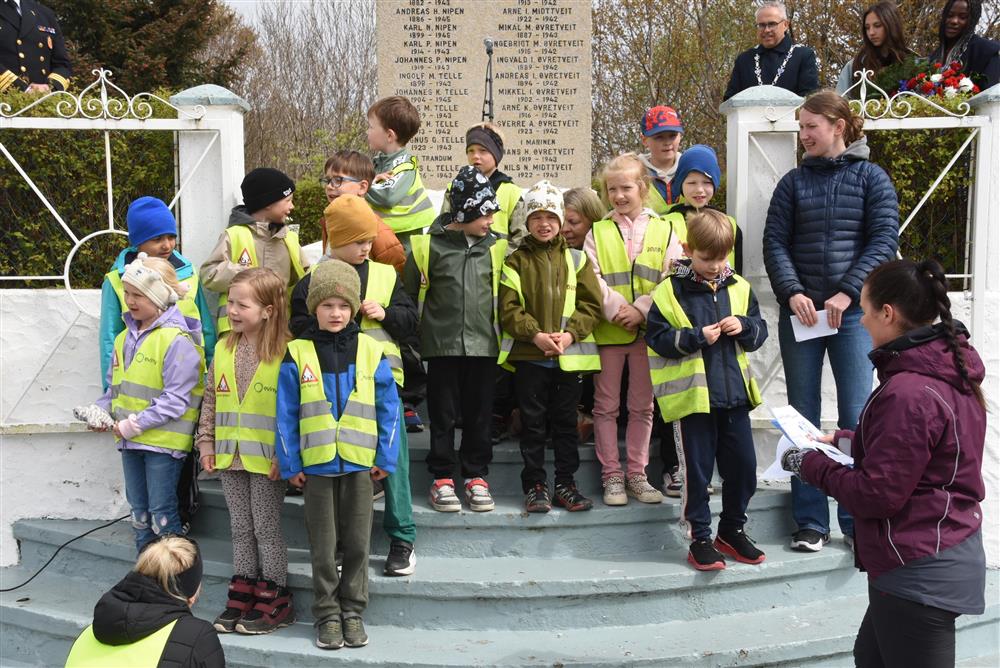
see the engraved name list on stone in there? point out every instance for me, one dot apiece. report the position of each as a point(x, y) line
point(432, 52)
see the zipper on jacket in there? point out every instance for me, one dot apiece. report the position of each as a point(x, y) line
point(725, 364)
point(336, 396)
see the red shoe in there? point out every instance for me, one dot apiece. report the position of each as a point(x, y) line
point(240, 603)
point(273, 609)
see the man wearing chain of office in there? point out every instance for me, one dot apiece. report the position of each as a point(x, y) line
point(33, 54)
point(776, 60)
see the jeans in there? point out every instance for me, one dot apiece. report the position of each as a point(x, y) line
point(151, 490)
point(852, 371)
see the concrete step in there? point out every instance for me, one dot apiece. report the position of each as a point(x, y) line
point(489, 593)
point(509, 531)
point(40, 622)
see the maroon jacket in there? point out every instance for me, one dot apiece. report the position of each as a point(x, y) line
point(918, 453)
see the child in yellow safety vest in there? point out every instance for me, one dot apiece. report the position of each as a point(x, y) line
point(631, 250)
point(549, 305)
point(389, 316)
point(152, 230)
point(339, 420)
point(236, 437)
point(257, 236)
point(154, 391)
point(703, 319)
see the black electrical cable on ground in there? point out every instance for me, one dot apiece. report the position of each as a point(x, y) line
point(38, 572)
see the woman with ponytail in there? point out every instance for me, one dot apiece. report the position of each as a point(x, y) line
point(831, 221)
point(916, 484)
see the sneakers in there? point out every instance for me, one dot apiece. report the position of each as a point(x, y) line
point(569, 497)
point(672, 483)
point(809, 540)
point(639, 488)
point(738, 545)
point(477, 494)
point(272, 610)
point(537, 499)
point(330, 635)
point(378, 490)
point(614, 491)
point(402, 560)
point(354, 632)
point(443, 497)
point(704, 557)
point(414, 425)
point(240, 602)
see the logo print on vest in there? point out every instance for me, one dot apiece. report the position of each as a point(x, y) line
point(114, 360)
point(244, 260)
point(308, 376)
point(223, 386)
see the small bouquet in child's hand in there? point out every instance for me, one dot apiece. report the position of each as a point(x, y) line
point(95, 417)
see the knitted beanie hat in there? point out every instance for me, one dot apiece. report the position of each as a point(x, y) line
point(334, 278)
point(264, 186)
point(486, 138)
point(150, 282)
point(148, 218)
point(471, 196)
point(698, 158)
point(348, 219)
point(543, 196)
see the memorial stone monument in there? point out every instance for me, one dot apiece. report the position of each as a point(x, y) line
point(435, 53)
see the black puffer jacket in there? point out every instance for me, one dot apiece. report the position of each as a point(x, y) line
point(137, 607)
point(830, 222)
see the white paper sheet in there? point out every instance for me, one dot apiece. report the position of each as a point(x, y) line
point(820, 329)
point(800, 433)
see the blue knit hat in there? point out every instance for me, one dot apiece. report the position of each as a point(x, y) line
point(148, 218)
point(698, 158)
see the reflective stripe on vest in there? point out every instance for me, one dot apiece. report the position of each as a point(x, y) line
point(415, 211)
point(188, 306)
point(381, 280)
point(420, 246)
point(89, 652)
point(246, 426)
point(354, 437)
point(244, 252)
point(680, 385)
point(135, 388)
point(678, 221)
point(629, 279)
point(581, 356)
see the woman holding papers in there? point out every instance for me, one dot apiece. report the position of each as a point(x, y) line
point(916, 484)
point(830, 222)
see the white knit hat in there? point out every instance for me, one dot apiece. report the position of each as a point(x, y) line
point(150, 283)
point(543, 196)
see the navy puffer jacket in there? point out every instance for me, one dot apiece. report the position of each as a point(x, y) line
point(830, 222)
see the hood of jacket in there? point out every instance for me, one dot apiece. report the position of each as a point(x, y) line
point(456, 237)
point(181, 264)
point(858, 150)
point(925, 351)
point(240, 216)
point(172, 317)
point(135, 608)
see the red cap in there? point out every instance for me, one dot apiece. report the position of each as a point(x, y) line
point(661, 118)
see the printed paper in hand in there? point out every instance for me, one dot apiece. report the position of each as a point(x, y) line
point(801, 433)
point(820, 329)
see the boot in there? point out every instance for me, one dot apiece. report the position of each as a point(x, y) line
point(273, 609)
point(240, 602)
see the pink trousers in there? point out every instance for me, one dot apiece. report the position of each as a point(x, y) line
point(607, 400)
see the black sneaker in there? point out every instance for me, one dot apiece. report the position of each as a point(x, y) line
point(537, 499)
point(703, 556)
point(809, 540)
point(402, 560)
point(378, 490)
point(736, 544)
point(569, 497)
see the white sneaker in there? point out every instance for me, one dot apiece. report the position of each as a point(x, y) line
point(443, 497)
point(477, 494)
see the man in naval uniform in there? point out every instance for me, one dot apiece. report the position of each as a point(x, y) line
point(33, 54)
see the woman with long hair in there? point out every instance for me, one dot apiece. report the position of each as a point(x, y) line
point(882, 44)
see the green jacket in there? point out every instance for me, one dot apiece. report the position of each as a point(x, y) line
point(457, 319)
point(542, 268)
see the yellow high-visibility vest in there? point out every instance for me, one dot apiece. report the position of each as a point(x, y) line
point(89, 652)
point(381, 280)
point(581, 355)
point(680, 385)
point(244, 252)
point(629, 279)
point(321, 436)
point(678, 222)
point(186, 305)
point(134, 389)
point(415, 211)
point(246, 427)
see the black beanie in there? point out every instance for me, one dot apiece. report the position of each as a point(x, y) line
point(486, 138)
point(471, 196)
point(264, 186)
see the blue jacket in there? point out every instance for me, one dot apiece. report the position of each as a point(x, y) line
point(830, 222)
point(111, 310)
point(703, 307)
point(337, 353)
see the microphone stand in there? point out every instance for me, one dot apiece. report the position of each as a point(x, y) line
point(488, 93)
